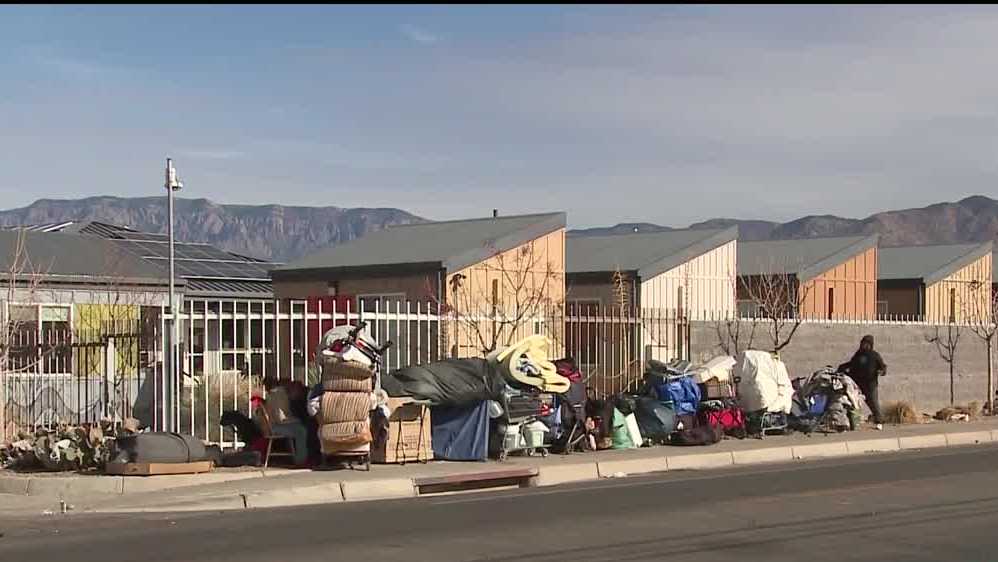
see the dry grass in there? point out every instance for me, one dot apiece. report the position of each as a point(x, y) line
point(901, 412)
point(972, 410)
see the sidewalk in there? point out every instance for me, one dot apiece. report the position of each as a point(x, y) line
point(239, 489)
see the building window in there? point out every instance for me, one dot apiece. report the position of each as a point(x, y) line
point(831, 302)
point(41, 338)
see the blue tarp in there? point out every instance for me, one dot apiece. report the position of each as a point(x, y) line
point(460, 433)
point(683, 392)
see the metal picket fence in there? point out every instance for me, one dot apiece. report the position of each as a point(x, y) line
point(225, 348)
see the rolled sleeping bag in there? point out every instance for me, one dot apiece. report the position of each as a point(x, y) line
point(333, 368)
point(344, 406)
point(347, 385)
point(159, 447)
point(337, 436)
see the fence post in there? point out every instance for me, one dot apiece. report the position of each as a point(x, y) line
point(110, 368)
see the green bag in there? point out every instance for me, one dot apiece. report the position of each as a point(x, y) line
point(619, 435)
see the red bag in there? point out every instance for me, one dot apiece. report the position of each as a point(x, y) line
point(730, 419)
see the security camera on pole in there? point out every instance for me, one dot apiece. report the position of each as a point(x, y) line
point(171, 382)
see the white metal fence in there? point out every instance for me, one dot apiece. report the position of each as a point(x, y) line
point(226, 347)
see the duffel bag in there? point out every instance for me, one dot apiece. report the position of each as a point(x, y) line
point(730, 420)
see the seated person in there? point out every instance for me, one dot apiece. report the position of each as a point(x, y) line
point(283, 422)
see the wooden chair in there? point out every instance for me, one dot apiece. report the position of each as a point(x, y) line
point(267, 428)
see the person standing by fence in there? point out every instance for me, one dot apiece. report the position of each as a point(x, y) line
point(866, 367)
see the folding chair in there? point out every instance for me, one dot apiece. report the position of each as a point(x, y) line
point(267, 429)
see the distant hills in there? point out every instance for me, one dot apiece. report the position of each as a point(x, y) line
point(974, 219)
point(272, 232)
point(280, 233)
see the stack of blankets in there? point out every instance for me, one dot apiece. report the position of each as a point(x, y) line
point(344, 413)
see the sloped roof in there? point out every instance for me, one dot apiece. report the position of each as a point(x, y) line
point(210, 271)
point(930, 264)
point(451, 245)
point(806, 258)
point(72, 258)
point(647, 253)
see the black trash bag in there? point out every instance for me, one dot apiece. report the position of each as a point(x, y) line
point(626, 403)
point(451, 382)
point(159, 447)
point(656, 420)
point(242, 458)
point(246, 429)
point(705, 434)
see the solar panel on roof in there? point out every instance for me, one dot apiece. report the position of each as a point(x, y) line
point(143, 237)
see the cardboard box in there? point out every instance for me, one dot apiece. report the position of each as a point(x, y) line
point(408, 438)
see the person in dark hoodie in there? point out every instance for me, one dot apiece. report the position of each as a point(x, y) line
point(866, 367)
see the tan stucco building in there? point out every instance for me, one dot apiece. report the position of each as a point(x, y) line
point(663, 278)
point(463, 268)
point(943, 283)
point(837, 277)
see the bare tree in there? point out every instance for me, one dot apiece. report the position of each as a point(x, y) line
point(947, 345)
point(981, 313)
point(779, 301)
point(501, 299)
point(113, 314)
point(734, 333)
point(22, 279)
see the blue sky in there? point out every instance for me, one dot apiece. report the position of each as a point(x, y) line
point(637, 113)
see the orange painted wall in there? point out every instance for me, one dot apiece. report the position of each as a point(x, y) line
point(961, 295)
point(543, 273)
point(853, 285)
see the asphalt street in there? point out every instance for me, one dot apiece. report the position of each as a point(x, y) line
point(938, 505)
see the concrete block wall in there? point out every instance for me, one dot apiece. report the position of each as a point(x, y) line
point(915, 372)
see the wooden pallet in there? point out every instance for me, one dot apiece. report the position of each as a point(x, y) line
point(158, 468)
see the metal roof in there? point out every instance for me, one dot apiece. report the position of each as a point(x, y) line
point(929, 264)
point(647, 253)
point(208, 270)
point(450, 245)
point(806, 258)
point(76, 258)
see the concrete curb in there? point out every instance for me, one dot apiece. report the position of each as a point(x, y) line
point(565, 474)
point(606, 469)
point(968, 438)
point(304, 495)
point(820, 451)
point(383, 489)
point(395, 488)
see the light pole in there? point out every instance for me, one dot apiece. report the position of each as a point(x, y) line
point(173, 184)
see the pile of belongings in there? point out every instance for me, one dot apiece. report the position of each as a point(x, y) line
point(526, 362)
point(765, 391)
point(464, 382)
point(826, 399)
point(349, 359)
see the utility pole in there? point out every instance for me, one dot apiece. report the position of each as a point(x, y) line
point(171, 383)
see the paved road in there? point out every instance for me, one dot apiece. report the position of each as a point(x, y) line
point(911, 506)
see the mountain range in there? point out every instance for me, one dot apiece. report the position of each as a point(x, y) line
point(974, 219)
point(281, 233)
